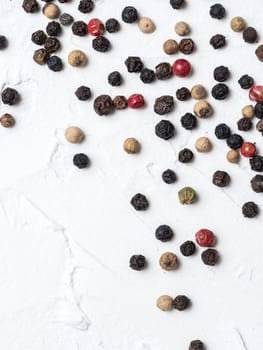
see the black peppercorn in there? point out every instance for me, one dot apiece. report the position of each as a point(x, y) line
point(120, 102)
point(3, 42)
point(137, 262)
point(186, 46)
point(220, 91)
point(256, 163)
point(185, 155)
point(210, 257)
point(188, 248)
point(246, 82)
point(147, 76)
point(101, 44)
point(196, 345)
point(177, 4)
point(163, 71)
point(221, 178)
point(81, 160)
point(181, 302)
point(134, 64)
point(112, 25)
point(103, 105)
point(83, 93)
point(258, 108)
point(218, 41)
point(79, 28)
point(250, 35)
point(86, 6)
point(183, 94)
point(169, 176)
point(38, 37)
point(164, 105)
point(52, 44)
point(54, 63)
point(139, 202)
point(257, 183)
point(217, 11)
point(234, 141)
point(129, 14)
point(222, 131)
point(188, 121)
point(10, 96)
point(115, 78)
point(221, 73)
point(164, 233)
point(244, 124)
point(53, 28)
point(30, 6)
point(164, 129)
point(41, 56)
point(66, 19)
point(250, 210)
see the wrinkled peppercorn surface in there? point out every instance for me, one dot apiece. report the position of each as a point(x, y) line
point(103, 105)
point(246, 81)
point(188, 121)
point(41, 56)
point(218, 41)
point(250, 35)
point(196, 345)
point(81, 160)
point(256, 163)
point(188, 248)
point(101, 44)
point(30, 6)
point(258, 109)
point(169, 176)
point(217, 11)
point(147, 76)
point(181, 302)
point(112, 25)
point(221, 73)
point(164, 233)
point(52, 44)
point(133, 64)
point(220, 91)
point(183, 94)
point(244, 124)
point(185, 155)
point(139, 202)
point(234, 141)
point(164, 129)
point(120, 102)
point(3, 42)
point(66, 19)
point(186, 46)
point(163, 71)
point(83, 93)
point(137, 262)
point(79, 28)
point(86, 6)
point(221, 178)
point(38, 37)
point(222, 131)
point(53, 28)
point(250, 210)
point(115, 78)
point(177, 4)
point(210, 257)
point(129, 14)
point(10, 96)
point(164, 105)
point(257, 183)
point(54, 63)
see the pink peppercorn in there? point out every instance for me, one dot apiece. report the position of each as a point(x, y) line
point(256, 93)
point(136, 101)
point(95, 27)
point(182, 67)
point(205, 238)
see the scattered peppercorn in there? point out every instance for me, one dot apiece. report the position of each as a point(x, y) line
point(79, 28)
point(103, 105)
point(41, 56)
point(182, 28)
point(164, 233)
point(210, 256)
point(165, 303)
point(177, 4)
point(163, 71)
point(83, 93)
point(259, 52)
point(203, 109)
point(256, 93)
point(129, 14)
point(181, 302)
point(250, 35)
point(137, 262)
point(52, 44)
point(256, 163)
point(205, 238)
point(188, 121)
point(244, 124)
point(170, 47)
point(182, 67)
point(51, 11)
point(164, 129)
point(86, 6)
point(196, 345)
point(53, 28)
point(146, 25)
point(139, 202)
point(81, 160)
point(233, 156)
point(168, 261)
point(221, 73)
point(95, 27)
point(112, 25)
point(237, 24)
point(185, 155)
point(7, 120)
point(217, 11)
point(250, 210)
point(169, 176)
point(248, 111)
point(246, 81)
point(136, 101)
point(10, 96)
point(120, 102)
point(198, 92)
point(38, 37)
point(77, 58)
point(3, 42)
point(164, 105)
point(186, 46)
point(66, 19)
point(187, 248)
point(30, 6)
point(259, 126)
point(187, 195)
point(258, 109)
point(183, 94)
point(115, 78)
point(131, 146)
point(134, 64)
point(218, 41)
point(221, 178)
point(220, 91)
point(248, 149)
point(203, 144)
point(74, 134)
point(147, 76)
point(234, 141)
point(257, 183)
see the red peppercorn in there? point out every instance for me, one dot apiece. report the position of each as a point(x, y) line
point(205, 238)
point(248, 149)
point(256, 93)
point(182, 67)
point(95, 27)
point(136, 101)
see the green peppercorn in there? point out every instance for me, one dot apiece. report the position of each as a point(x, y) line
point(187, 195)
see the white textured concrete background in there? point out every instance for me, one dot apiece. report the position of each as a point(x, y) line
point(66, 235)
